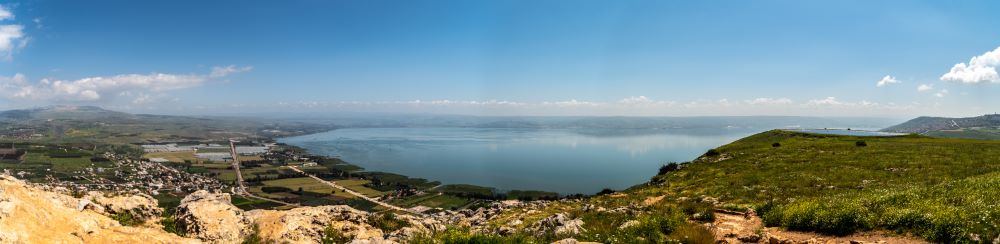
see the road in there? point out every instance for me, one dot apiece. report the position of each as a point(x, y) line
point(357, 194)
point(241, 188)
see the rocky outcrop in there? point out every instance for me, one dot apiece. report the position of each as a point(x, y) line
point(307, 224)
point(559, 224)
point(30, 214)
point(212, 217)
point(572, 241)
point(141, 206)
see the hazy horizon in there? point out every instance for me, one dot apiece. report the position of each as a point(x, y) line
point(890, 59)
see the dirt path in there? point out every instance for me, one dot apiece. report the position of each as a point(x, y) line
point(732, 227)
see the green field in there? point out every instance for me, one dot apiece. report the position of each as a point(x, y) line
point(433, 200)
point(311, 185)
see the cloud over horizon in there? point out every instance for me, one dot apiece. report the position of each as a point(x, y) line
point(104, 88)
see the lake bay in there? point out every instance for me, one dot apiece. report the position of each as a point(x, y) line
point(559, 160)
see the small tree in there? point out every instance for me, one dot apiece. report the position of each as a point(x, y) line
point(667, 168)
point(712, 153)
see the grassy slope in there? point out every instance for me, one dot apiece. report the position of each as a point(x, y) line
point(941, 189)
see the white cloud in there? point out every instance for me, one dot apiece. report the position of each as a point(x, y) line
point(228, 70)
point(942, 93)
point(924, 87)
point(5, 13)
point(824, 102)
point(768, 101)
point(572, 103)
point(12, 37)
point(887, 80)
point(982, 68)
point(100, 88)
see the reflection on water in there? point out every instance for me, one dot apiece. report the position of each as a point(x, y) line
point(560, 160)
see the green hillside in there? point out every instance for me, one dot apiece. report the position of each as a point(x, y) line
point(943, 190)
point(986, 127)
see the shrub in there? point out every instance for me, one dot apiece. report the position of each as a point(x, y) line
point(861, 144)
point(605, 191)
point(387, 222)
point(170, 225)
point(776, 144)
point(667, 168)
point(332, 235)
point(712, 153)
point(459, 235)
point(692, 233)
point(254, 237)
point(126, 219)
point(698, 211)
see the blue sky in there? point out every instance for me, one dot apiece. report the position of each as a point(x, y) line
point(504, 57)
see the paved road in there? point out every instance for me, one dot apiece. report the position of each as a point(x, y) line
point(357, 194)
point(241, 187)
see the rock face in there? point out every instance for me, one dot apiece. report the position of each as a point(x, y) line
point(30, 214)
point(212, 218)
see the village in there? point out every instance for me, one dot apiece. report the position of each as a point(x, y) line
point(270, 175)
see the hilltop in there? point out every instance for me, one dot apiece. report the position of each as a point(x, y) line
point(979, 127)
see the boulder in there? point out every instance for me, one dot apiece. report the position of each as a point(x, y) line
point(30, 214)
point(141, 206)
point(559, 224)
point(307, 224)
point(212, 218)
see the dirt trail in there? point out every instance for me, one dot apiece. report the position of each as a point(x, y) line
point(733, 227)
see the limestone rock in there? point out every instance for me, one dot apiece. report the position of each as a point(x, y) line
point(30, 214)
point(212, 217)
point(559, 224)
point(306, 224)
point(141, 206)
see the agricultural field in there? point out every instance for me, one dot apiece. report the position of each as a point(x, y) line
point(310, 185)
point(183, 156)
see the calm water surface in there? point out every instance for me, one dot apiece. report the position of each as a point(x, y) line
point(565, 161)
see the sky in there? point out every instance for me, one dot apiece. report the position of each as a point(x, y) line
point(553, 57)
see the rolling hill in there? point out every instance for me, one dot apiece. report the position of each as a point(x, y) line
point(980, 127)
point(71, 124)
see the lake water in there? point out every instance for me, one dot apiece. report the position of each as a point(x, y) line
point(559, 160)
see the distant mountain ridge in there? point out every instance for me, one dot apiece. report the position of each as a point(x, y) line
point(979, 127)
point(928, 124)
point(66, 123)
